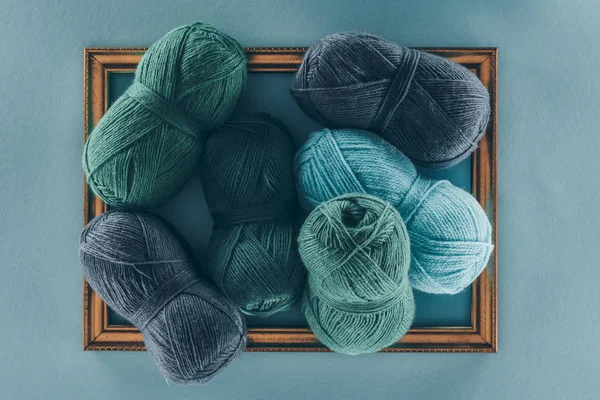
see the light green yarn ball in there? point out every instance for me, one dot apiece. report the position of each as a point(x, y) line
point(145, 147)
point(358, 297)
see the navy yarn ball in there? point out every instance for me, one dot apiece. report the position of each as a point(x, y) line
point(432, 109)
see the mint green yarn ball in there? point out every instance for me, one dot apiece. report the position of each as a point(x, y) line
point(247, 173)
point(358, 298)
point(450, 233)
point(145, 147)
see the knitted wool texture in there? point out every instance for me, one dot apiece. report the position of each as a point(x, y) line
point(450, 233)
point(358, 297)
point(137, 265)
point(247, 172)
point(145, 147)
point(432, 109)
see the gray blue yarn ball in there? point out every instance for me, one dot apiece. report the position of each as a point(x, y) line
point(432, 109)
point(137, 265)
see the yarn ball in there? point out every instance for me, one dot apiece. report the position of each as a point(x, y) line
point(247, 172)
point(137, 265)
point(145, 147)
point(358, 297)
point(432, 109)
point(450, 233)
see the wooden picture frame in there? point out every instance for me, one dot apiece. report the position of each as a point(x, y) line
point(481, 336)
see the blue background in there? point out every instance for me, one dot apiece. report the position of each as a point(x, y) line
point(548, 189)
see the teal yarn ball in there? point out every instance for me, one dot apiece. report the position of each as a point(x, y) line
point(450, 233)
point(247, 173)
point(358, 297)
point(145, 147)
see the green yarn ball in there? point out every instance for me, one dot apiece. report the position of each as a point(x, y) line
point(248, 182)
point(145, 147)
point(358, 298)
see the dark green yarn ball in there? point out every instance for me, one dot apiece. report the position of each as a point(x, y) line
point(358, 298)
point(249, 187)
point(145, 147)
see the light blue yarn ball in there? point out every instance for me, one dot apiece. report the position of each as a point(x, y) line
point(449, 232)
